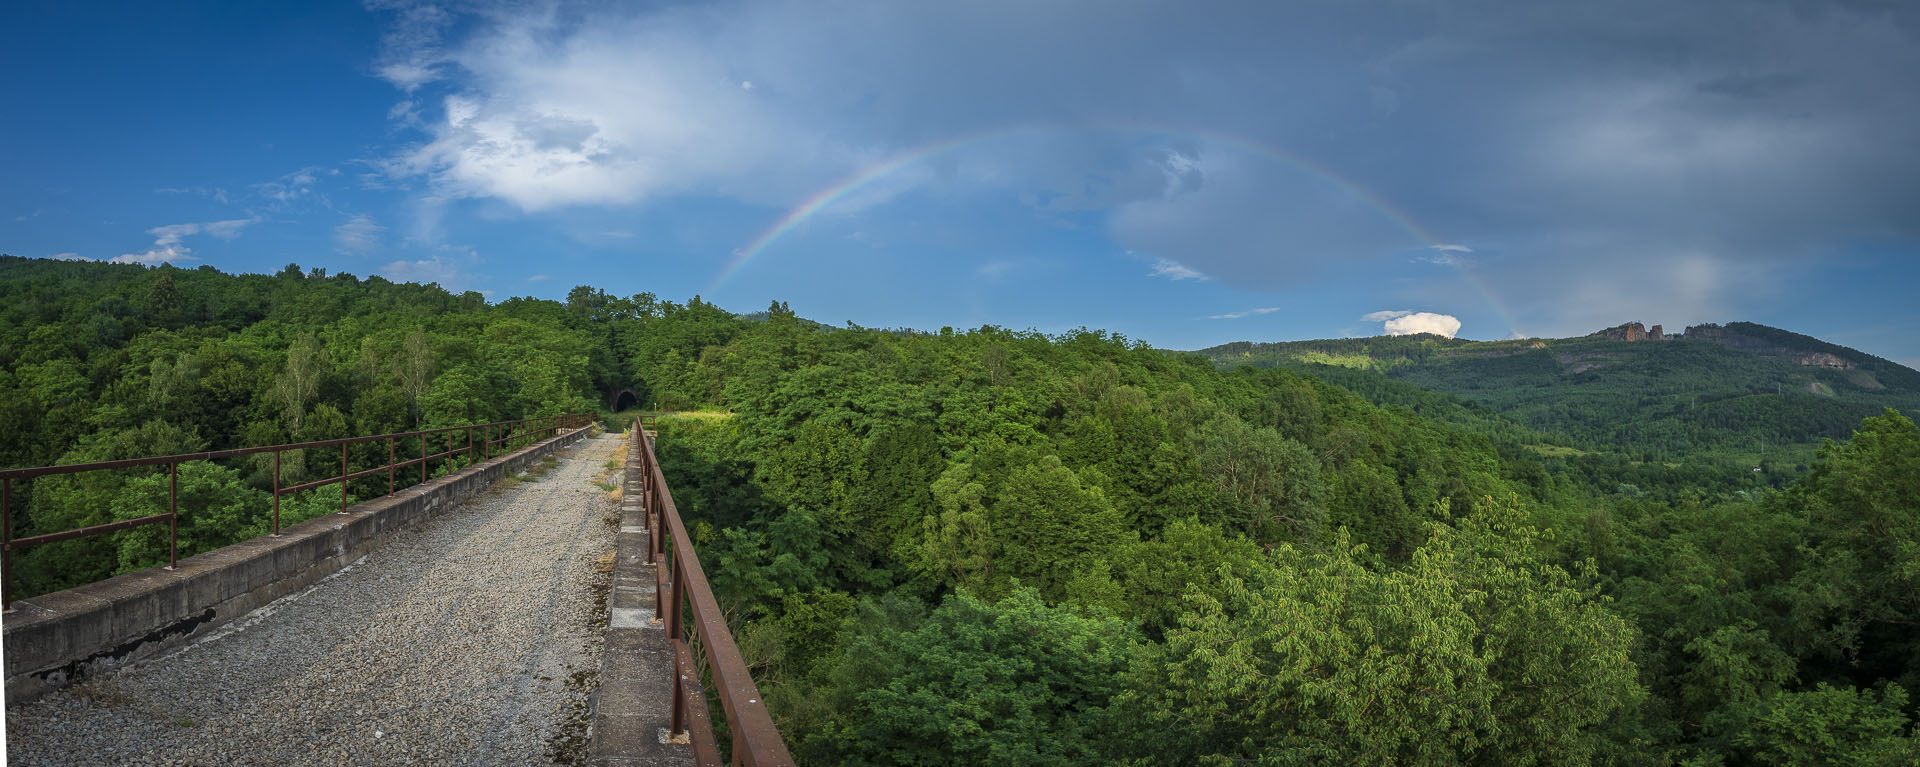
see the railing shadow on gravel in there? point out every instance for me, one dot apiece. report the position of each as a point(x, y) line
point(483, 440)
point(683, 584)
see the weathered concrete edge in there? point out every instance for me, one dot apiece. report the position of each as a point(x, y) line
point(631, 706)
point(54, 639)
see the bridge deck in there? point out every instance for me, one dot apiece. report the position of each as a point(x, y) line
point(474, 639)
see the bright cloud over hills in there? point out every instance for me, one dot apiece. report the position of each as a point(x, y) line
point(1406, 323)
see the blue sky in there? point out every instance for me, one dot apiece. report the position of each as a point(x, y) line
point(1257, 171)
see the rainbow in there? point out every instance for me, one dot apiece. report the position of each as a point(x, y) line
point(825, 198)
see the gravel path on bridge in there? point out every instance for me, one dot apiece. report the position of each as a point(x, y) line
point(469, 640)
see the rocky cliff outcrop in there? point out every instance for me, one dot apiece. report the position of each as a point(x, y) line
point(1634, 331)
point(1822, 359)
point(1733, 338)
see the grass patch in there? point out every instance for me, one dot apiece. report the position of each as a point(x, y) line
point(696, 415)
point(1355, 361)
point(1557, 451)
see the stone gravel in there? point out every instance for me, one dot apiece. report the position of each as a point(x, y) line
point(471, 639)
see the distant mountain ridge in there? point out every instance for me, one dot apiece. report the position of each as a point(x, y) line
point(1762, 340)
point(1741, 389)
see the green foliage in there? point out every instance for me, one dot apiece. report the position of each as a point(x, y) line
point(108, 361)
point(1012, 682)
point(1863, 576)
point(1001, 547)
point(216, 509)
point(1474, 652)
point(1828, 726)
point(1715, 405)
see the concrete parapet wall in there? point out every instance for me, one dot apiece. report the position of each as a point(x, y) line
point(632, 707)
point(54, 639)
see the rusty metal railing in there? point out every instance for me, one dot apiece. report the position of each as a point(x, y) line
point(504, 435)
point(677, 573)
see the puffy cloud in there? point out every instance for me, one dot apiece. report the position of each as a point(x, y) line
point(1404, 323)
point(169, 244)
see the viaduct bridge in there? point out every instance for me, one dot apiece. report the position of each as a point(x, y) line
point(539, 601)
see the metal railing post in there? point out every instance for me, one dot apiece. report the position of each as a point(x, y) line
point(173, 514)
point(679, 718)
point(6, 543)
point(389, 466)
point(276, 493)
point(343, 477)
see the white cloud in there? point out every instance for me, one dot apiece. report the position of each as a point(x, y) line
point(1383, 316)
point(294, 187)
point(69, 257)
point(613, 110)
point(159, 254)
point(1174, 270)
point(435, 270)
point(360, 234)
point(538, 278)
point(410, 50)
point(1400, 323)
point(169, 244)
point(226, 230)
point(1247, 313)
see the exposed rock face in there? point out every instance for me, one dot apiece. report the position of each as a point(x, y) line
point(1707, 332)
point(1733, 338)
point(1822, 359)
point(1632, 331)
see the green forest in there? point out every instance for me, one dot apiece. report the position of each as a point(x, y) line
point(1733, 396)
point(991, 546)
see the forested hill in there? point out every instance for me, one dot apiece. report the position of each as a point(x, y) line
point(1742, 392)
point(997, 547)
point(105, 360)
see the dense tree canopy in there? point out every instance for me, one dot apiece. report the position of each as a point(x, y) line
point(1003, 547)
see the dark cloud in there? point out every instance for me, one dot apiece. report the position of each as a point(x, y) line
point(1608, 140)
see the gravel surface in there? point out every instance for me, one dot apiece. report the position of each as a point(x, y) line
point(472, 639)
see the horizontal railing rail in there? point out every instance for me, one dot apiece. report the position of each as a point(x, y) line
point(677, 573)
point(505, 435)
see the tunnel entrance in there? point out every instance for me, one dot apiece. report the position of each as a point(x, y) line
point(624, 400)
